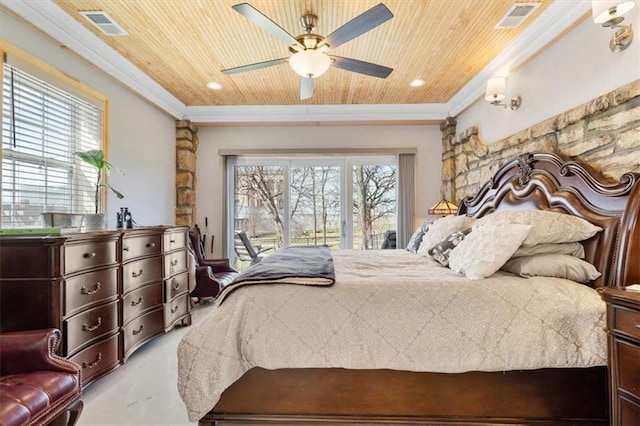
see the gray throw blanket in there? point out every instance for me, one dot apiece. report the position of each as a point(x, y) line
point(305, 265)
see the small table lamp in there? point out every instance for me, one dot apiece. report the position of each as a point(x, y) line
point(443, 208)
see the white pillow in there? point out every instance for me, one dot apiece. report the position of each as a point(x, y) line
point(553, 265)
point(441, 229)
point(547, 226)
point(574, 249)
point(487, 248)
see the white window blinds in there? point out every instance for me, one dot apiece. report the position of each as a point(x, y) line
point(42, 127)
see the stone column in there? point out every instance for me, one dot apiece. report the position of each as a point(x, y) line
point(448, 188)
point(186, 148)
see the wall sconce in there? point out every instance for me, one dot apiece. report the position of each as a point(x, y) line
point(609, 14)
point(496, 93)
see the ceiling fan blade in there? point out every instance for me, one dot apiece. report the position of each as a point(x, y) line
point(358, 26)
point(306, 88)
point(256, 66)
point(264, 22)
point(361, 67)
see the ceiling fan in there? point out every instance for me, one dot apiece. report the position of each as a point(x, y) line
point(309, 56)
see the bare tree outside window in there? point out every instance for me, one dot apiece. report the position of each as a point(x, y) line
point(374, 203)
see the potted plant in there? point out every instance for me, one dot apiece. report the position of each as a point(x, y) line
point(95, 157)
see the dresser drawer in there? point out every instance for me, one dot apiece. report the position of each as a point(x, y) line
point(91, 254)
point(98, 358)
point(140, 245)
point(176, 285)
point(90, 325)
point(142, 329)
point(175, 240)
point(629, 412)
point(175, 309)
point(628, 365)
point(89, 289)
point(175, 263)
point(140, 272)
point(140, 300)
point(627, 321)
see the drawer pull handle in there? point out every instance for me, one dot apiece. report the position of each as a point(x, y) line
point(89, 255)
point(176, 285)
point(172, 241)
point(139, 330)
point(136, 275)
point(87, 327)
point(174, 310)
point(125, 248)
point(133, 303)
point(92, 364)
point(151, 245)
point(637, 325)
point(85, 290)
point(174, 262)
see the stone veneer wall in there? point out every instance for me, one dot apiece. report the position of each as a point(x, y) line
point(605, 133)
point(186, 148)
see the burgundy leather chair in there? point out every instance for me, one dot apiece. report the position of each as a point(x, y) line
point(37, 387)
point(211, 274)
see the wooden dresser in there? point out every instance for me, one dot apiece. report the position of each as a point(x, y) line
point(108, 292)
point(623, 327)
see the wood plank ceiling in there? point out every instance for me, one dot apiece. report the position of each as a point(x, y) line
point(185, 44)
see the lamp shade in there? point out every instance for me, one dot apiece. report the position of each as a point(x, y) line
point(443, 208)
point(603, 11)
point(496, 89)
point(310, 63)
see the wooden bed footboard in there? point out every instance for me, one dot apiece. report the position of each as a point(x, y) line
point(295, 396)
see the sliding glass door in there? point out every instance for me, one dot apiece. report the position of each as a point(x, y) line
point(340, 202)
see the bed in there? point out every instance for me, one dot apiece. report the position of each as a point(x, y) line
point(322, 386)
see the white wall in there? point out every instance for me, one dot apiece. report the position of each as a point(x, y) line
point(141, 138)
point(576, 69)
point(210, 167)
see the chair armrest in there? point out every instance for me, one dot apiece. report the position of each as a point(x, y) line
point(33, 350)
point(218, 265)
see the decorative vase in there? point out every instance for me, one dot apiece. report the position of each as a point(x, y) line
point(94, 222)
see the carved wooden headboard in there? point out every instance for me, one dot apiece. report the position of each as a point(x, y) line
point(545, 181)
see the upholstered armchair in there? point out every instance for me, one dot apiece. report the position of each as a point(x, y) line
point(37, 387)
point(211, 274)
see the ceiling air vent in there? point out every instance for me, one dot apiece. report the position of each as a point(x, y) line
point(516, 14)
point(104, 23)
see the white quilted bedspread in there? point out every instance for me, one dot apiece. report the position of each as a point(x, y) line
point(392, 309)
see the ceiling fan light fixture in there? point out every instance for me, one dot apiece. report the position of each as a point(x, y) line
point(310, 63)
point(609, 13)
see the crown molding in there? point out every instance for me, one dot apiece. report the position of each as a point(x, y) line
point(53, 21)
point(315, 113)
point(552, 22)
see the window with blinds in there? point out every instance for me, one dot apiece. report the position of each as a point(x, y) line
point(42, 127)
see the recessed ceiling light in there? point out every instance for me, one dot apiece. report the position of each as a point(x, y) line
point(417, 83)
point(214, 86)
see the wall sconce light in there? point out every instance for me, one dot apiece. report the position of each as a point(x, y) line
point(496, 93)
point(609, 14)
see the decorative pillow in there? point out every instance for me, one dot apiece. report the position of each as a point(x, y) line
point(487, 248)
point(442, 250)
point(440, 229)
point(574, 249)
point(553, 265)
point(416, 238)
point(547, 226)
